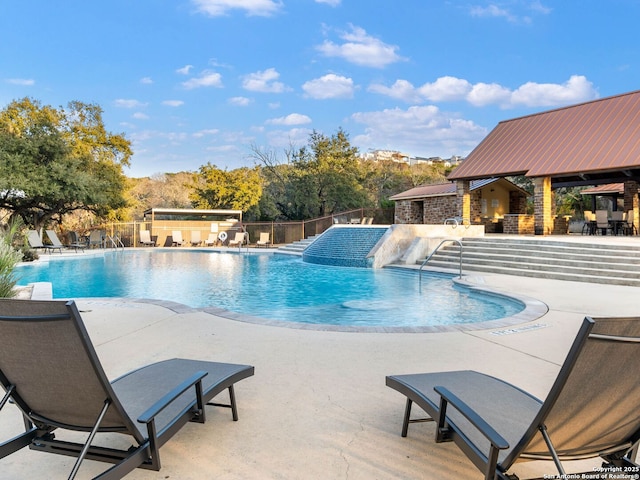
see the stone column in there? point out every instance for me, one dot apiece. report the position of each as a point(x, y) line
point(632, 201)
point(542, 206)
point(463, 197)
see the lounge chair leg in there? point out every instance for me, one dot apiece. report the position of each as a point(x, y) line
point(407, 416)
point(231, 405)
point(87, 444)
point(552, 450)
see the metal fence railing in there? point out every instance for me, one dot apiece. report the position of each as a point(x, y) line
point(280, 232)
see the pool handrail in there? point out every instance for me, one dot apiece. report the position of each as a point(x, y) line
point(435, 250)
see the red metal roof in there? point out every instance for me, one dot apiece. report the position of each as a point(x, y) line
point(598, 136)
point(449, 188)
point(609, 188)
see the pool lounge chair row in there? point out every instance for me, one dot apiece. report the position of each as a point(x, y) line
point(35, 242)
point(590, 411)
point(177, 240)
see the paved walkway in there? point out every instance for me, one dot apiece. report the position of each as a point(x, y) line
point(317, 407)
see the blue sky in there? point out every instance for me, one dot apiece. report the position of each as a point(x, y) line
point(197, 81)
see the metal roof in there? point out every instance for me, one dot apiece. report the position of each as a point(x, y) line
point(607, 189)
point(585, 144)
point(444, 189)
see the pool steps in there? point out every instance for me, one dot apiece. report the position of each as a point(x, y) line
point(553, 259)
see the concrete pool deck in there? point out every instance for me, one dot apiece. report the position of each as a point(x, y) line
point(318, 406)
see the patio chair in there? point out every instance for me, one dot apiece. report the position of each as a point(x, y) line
point(195, 238)
point(35, 242)
point(264, 240)
point(602, 222)
point(591, 410)
point(51, 372)
point(176, 238)
point(56, 243)
point(145, 239)
point(239, 240)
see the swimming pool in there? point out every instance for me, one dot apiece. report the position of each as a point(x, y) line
point(274, 287)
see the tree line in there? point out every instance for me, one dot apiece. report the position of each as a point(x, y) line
point(62, 166)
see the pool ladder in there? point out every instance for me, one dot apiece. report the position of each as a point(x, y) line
point(113, 241)
point(446, 240)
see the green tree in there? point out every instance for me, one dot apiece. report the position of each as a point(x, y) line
point(56, 161)
point(238, 189)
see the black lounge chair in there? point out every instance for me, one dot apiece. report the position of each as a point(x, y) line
point(50, 370)
point(592, 409)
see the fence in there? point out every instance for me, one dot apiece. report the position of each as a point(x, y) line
point(280, 232)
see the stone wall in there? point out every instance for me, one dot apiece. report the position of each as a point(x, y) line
point(518, 224)
point(438, 209)
point(408, 212)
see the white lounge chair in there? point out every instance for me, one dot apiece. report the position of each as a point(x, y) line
point(239, 240)
point(176, 238)
point(211, 240)
point(145, 239)
point(56, 243)
point(264, 240)
point(195, 238)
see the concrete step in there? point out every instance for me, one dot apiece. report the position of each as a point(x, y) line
point(584, 262)
point(299, 246)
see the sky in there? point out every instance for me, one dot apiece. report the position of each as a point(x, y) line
point(193, 82)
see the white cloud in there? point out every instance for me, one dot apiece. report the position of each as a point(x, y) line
point(146, 80)
point(184, 70)
point(531, 94)
point(400, 90)
point(129, 103)
point(206, 79)
point(173, 103)
point(361, 49)
point(25, 82)
point(140, 116)
point(206, 132)
point(329, 86)
point(445, 89)
point(287, 138)
point(332, 3)
point(483, 94)
point(576, 89)
point(291, 119)
point(264, 81)
point(511, 15)
point(239, 101)
point(418, 130)
point(216, 8)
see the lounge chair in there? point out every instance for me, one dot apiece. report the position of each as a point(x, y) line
point(176, 238)
point(591, 410)
point(211, 240)
point(35, 242)
point(239, 240)
point(52, 373)
point(145, 239)
point(56, 243)
point(96, 239)
point(195, 238)
point(264, 240)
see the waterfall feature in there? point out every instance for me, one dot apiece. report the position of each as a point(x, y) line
point(345, 246)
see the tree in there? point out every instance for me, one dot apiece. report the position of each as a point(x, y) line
point(56, 161)
point(238, 189)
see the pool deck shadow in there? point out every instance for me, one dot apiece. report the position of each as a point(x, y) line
point(318, 406)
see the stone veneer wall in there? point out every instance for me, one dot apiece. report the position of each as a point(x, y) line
point(408, 212)
point(438, 209)
point(518, 224)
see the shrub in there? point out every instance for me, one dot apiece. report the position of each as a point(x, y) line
point(9, 258)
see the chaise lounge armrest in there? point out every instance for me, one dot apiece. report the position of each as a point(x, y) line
point(447, 397)
point(165, 401)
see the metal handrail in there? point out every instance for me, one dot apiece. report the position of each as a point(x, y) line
point(115, 241)
point(434, 252)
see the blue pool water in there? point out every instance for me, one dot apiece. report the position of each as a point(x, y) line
point(276, 287)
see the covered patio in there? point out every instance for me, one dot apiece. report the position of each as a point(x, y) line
point(588, 144)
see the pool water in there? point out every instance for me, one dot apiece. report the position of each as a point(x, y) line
point(275, 287)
